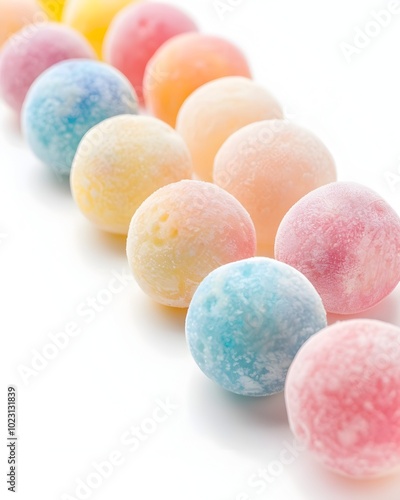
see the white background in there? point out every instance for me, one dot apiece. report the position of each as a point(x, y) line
point(133, 353)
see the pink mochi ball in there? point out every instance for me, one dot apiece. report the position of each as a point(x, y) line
point(346, 240)
point(343, 397)
point(31, 51)
point(137, 32)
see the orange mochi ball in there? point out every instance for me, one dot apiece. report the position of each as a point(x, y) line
point(120, 162)
point(15, 14)
point(218, 109)
point(268, 166)
point(183, 64)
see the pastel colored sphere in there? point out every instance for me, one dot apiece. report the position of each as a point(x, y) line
point(92, 18)
point(26, 55)
point(181, 233)
point(120, 162)
point(218, 109)
point(15, 14)
point(66, 101)
point(182, 65)
point(343, 397)
point(137, 32)
point(246, 322)
point(53, 8)
point(346, 239)
point(268, 166)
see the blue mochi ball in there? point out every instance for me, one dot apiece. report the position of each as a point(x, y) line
point(66, 101)
point(248, 319)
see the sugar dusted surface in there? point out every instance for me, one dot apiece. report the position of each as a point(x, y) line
point(343, 397)
point(247, 321)
point(268, 166)
point(181, 233)
point(92, 18)
point(218, 109)
point(66, 101)
point(346, 239)
point(120, 162)
point(137, 32)
point(33, 50)
point(182, 65)
point(135, 350)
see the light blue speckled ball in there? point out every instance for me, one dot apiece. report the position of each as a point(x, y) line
point(66, 101)
point(248, 319)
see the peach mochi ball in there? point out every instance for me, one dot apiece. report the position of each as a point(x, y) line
point(268, 166)
point(184, 63)
point(27, 54)
point(137, 32)
point(15, 14)
point(181, 233)
point(218, 109)
point(120, 162)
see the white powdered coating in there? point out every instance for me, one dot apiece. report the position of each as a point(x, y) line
point(218, 109)
point(268, 166)
point(343, 397)
point(346, 239)
point(181, 233)
point(120, 162)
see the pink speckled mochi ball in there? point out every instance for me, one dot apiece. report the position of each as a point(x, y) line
point(346, 240)
point(181, 233)
point(29, 53)
point(268, 166)
point(137, 32)
point(343, 397)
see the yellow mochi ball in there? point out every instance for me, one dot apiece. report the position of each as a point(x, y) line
point(120, 162)
point(92, 18)
point(53, 8)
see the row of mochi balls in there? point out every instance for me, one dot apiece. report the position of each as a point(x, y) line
point(229, 209)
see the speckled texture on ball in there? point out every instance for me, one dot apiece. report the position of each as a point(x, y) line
point(66, 101)
point(182, 65)
point(53, 8)
point(343, 397)
point(120, 162)
point(15, 14)
point(246, 322)
point(181, 233)
point(137, 32)
point(93, 18)
point(218, 109)
point(346, 239)
point(26, 55)
point(268, 166)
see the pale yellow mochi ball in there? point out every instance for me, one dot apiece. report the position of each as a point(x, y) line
point(120, 162)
